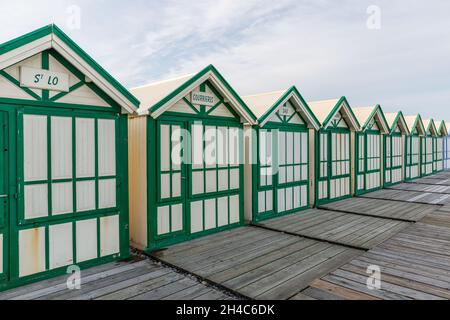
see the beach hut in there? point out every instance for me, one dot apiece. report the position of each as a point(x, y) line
point(369, 148)
point(281, 175)
point(413, 151)
point(428, 148)
point(394, 148)
point(439, 146)
point(63, 159)
point(334, 149)
point(447, 148)
point(186, 159)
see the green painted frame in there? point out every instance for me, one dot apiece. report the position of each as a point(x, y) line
point(391, 168)
point(285, 127)
point(365, 171)
point(328, 132)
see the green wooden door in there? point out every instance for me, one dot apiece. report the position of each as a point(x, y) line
point(393, 159)
point(199, 179)
point(282, 172)
point(368, 162)
point(412, 155)
point(334, 165)
point(427, 156)
point(4, 201)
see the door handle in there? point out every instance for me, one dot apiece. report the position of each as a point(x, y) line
point(3, 196)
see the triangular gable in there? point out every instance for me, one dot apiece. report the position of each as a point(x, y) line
point(430, 127)
point(289, 105)
point(51, 37)
point(397, 123)
point(415, 125)
point(442, 130)
point(179, 89)
point(371, 115)
point(326, 112)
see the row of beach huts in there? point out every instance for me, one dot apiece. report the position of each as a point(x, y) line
point(89, 168)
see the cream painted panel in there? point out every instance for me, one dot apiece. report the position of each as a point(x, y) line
point(11, 91)
point(222, 211)
point(234, 179)
point(36, 201)
point(163, 220)
point(176, 185)
point(223, 180)
point(234, 150)
point(106, 147)
point(210, 214)
point(211, 181)
point(107, 193)
point(281, 201)
point(1, 253)
point(261, 202)
point(31, 251)
point(84, 96)
point(196, 216)
point(85, 148)
point(62, 198)
point(31, 62)
point(165, 186)
point(289, 199)
point(61, 139)
point(221, 111)
point(35, 147)
point(85, 196)
point(234, 209)
point(165, 147)
point(197, 182)
point(109, 235)
point(182, 107)
point(177, 217)
point(269, 200)
point(55, 66)
point(60, 245)
point(86, 240)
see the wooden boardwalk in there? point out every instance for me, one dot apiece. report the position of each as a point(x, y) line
point(358, 231)
point(429, 188)
point(258, 263)
point(410, 196)
point(415, 264)
point(134, 280)
point(395, 210)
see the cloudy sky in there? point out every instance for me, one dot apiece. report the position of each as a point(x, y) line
point(327, 48)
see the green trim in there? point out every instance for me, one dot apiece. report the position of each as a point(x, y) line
point(195, 78)
point(292, 90)
point(377, 108)
point(54, 30)
point(398, 117)
point(17, 84)
point(342, 100)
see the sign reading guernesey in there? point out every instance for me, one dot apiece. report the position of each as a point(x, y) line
point(203, 99)
point(44, 79)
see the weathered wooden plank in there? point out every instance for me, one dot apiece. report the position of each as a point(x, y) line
point(340, 292)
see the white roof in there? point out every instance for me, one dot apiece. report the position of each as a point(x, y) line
point(390, 118)
point(363, 114)
point(152, 93)
point(323, 108)
point(259, 104)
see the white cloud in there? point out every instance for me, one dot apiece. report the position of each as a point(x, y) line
point(322, 46)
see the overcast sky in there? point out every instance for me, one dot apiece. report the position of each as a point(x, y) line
point(324, 47)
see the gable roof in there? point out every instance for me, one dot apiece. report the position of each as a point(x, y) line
point(325, 110)
point(447, 125)
point(156, 98)
point(266, 104)
point(430, 127)
point(366, 114)
point(51, 37)
point(413, 122)
point(443, 129)
point(394, 118)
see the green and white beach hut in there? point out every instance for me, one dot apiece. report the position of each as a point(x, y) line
point(369, 148)
point(413, 152)
point(279, 177)
point(439, 147)
point(428, 147)
point(63, 159)
point(447, 148)
point(186, 159)
point(394, 148)
point(334, 149)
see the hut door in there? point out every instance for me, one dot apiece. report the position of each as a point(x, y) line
point(393, 159)
point(334, 165)
point(170, 218)
point(4, 201)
